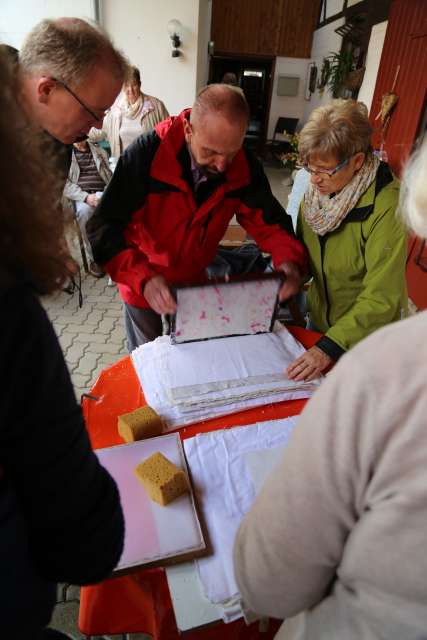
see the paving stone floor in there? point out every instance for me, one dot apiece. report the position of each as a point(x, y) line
point(92, 337)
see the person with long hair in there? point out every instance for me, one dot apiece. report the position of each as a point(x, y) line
point(336, 541)
point(60, 513)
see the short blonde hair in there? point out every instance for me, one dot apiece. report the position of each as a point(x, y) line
point(340, 129)
point(68, 49)
point(413, 192)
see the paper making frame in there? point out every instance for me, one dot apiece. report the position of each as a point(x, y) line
point(177, 321)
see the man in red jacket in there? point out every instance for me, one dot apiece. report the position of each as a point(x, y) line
point(170, 201)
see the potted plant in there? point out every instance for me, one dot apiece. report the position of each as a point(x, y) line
point(290, 156)
point(335, 70)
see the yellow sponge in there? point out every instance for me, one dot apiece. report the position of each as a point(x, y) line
point(162, 479)
point(139, 424)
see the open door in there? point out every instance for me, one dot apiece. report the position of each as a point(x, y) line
point(254, 76)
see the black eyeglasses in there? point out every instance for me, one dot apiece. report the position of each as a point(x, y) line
point(326, 172)
point(76, 97)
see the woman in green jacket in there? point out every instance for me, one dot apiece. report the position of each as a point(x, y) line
point(356, 243)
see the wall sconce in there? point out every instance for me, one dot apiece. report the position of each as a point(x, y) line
point(175, 33)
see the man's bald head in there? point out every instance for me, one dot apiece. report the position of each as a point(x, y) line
point(222, 100)
point(217, 128)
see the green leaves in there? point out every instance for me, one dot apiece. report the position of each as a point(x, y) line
point(335, 68)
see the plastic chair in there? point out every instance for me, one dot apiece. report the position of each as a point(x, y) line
point(283, 124)
point(81, 242)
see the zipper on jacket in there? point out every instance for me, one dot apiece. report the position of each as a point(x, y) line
point(205, 228)
point(322, 241)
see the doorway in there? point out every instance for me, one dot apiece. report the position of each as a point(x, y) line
point(254, 76)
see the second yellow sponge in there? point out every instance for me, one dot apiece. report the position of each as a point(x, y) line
point(162, 479)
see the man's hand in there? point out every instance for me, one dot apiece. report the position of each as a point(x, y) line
point(292, 283)
point(92, 200)
point(158, 295)
point(309, 366)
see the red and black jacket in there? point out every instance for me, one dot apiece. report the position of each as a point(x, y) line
point(151, 222)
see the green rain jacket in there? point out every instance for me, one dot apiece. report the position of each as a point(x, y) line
point(358, 270)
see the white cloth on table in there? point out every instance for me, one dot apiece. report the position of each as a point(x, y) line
point(228, 469)
point(186, 383)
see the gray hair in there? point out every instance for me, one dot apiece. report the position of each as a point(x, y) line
point(413, 192)
point(340, 129)
point(224, 99)
point(68, 49)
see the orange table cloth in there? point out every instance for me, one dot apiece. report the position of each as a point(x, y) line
point(140, 602)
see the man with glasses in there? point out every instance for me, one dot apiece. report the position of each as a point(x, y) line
point(169, 203)
point(71, 74)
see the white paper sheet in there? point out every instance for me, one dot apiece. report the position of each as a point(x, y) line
point(226, 309)
point(226, 362)
point(152, 532)
point(225, 469)
point(200, 380)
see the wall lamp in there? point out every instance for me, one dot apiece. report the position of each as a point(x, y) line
point(175, 33)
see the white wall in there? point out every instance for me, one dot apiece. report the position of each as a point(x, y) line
point(18, 17)
point(373, 57)
point(288, 106)
point(333, 7)
point(204, 35)
point(140, 30)
point(325, 41)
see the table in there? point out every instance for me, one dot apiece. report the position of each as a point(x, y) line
point(118, 391)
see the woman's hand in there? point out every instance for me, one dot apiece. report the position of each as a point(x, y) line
point(309, 366)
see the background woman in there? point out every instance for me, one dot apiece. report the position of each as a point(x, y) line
point(356, 244)
point(336, 541)
point(60, 514)
point(132, 114)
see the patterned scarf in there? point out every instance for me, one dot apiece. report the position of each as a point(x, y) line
point(324, 214)
point(138, 109)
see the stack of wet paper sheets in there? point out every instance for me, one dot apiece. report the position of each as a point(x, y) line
point(187, 383)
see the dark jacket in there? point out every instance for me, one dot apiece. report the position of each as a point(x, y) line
point(150, 220)
point(60, 513)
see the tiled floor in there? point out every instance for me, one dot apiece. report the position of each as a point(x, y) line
point(92, 338)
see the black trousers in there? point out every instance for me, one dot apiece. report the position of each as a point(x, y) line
point(142, 325)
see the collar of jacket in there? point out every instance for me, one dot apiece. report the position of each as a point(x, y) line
point(167, 168)
point(365, 206)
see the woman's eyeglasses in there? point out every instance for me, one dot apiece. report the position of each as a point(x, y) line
point(92, 114)
point(325, 172)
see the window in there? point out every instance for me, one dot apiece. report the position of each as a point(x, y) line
point(288, 85)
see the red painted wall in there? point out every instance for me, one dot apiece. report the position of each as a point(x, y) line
point(405, 45)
